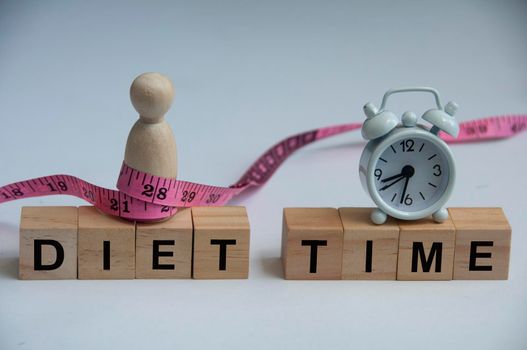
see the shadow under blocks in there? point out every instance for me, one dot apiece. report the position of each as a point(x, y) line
point(328, 243)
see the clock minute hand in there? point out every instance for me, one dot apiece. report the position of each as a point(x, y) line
point(404, 188)
point(391, 184)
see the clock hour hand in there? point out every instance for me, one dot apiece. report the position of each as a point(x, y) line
point(393, 183)
point(392, 177)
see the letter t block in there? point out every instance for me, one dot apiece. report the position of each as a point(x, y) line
point(312, 244)
point(221, 243)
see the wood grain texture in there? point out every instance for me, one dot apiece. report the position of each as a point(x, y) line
point(487, 234)
point(228, 225)
point(57, 224)
point(94, 229)
point(173, 237)
point(301, 228)
point(426, 233)
point(384, 246)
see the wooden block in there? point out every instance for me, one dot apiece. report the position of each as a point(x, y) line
point(164, 249)
point(483, 243)
point(426, 250)
point(312, 243)
point(106, 246)
point(369, 250)
point(48, 243)
point(221, 242)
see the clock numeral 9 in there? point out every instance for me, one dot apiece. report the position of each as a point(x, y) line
point(407, 145)
point(377, 173)
point(408, 200)
point(438, 172)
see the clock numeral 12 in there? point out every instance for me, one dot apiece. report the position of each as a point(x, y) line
point(407, 145)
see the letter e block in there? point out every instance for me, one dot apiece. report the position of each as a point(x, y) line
point(221, 242)
point(164, 249)
point(483, 243)
point(426, 250)
point(312, 244)
point(106, 246)
point(48, 243)
point(369, 250)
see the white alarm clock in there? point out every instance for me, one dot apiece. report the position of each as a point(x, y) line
point(406, 168)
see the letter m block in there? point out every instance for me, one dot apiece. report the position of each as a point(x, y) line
point(426, 250)
point(48, 243)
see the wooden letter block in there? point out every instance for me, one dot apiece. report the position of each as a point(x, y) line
point(48, 243)
point(483, 243)
point(426, 250)
point(106, 246)
point(312, 244)
point(221, 242)
point(164, 249)
point(369, 250)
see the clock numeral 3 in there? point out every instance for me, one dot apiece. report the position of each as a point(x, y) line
point(438, 172)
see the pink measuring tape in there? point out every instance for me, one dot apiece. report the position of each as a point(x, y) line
point(141, 196)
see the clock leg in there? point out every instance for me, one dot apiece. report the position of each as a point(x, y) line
point(440, 215)
point(378, 217)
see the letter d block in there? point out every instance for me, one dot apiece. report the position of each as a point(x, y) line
point(48, 243)
point(426, 250)
point(221, 243)
point(164, 249)
point(312, 244)
point(106, 246)
point(483, 244)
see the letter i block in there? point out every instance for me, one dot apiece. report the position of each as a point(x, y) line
point(48, 243)
point(106, 246)
point(426, 250)
point(164, 249)
point(312, 244)
point(369, 251)
point(221, 242)
point(483, 243)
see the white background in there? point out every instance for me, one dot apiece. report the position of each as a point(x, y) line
point(248, 73)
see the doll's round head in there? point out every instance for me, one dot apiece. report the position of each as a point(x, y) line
point(151, 95)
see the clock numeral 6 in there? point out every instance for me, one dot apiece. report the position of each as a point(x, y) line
point(438, 172)
point(378, 173)
point(408, 200)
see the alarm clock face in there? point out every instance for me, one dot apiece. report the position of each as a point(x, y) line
point(412, 174)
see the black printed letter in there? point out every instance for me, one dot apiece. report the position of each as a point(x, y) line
point(106, 255)
point(314, 252)
point(426, 263)
point(156, 254)
point(474, 255)
point(38, 254)
point(223, 243)
point(369, 255)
